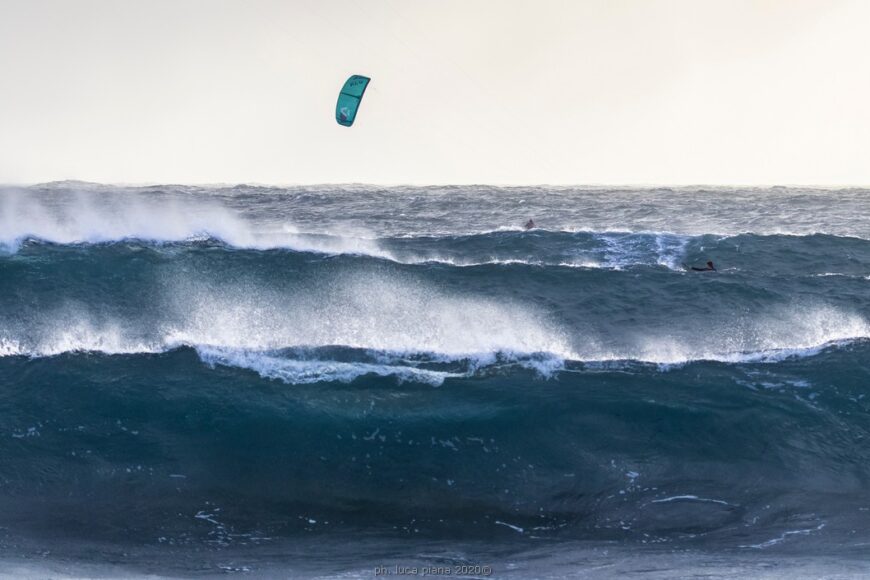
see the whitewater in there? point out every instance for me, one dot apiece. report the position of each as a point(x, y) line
point(319, 380)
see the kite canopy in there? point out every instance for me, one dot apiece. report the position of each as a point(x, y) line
point(349, 99)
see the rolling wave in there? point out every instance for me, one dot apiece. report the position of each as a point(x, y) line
point(392, 319)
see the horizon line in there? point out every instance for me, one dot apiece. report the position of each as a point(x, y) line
point(443, 184)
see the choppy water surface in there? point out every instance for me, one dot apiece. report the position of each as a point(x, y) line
point(321, 380)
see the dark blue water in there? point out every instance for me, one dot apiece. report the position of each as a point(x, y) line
point(317, 381)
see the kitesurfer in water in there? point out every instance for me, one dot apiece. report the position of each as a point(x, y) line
point(530, 224)
point(710, 267)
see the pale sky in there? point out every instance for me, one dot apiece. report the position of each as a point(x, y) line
point(463, 91)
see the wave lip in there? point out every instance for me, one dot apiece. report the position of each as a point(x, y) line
point(87, 217)
point(796, 330)
point(404, 328)
point(91, 218)
point(306, 365)
point(266, 328)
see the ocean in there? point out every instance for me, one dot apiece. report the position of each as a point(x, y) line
point(359, 381)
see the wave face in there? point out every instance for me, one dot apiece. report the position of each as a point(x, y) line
point(241, 366)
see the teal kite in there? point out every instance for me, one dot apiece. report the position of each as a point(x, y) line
point(349, 99)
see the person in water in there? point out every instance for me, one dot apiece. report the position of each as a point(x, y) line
point(710, 267)
point(530, 224)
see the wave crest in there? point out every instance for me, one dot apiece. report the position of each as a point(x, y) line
point(92, 217)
